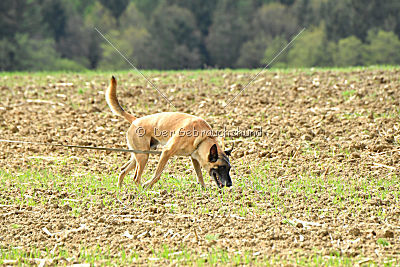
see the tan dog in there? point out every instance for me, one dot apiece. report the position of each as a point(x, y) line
point(181, 134)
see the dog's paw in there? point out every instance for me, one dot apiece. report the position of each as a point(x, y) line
point(146, 185)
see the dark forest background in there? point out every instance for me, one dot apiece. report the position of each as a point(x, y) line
point(178, 34)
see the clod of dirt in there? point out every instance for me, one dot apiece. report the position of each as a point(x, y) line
point(324, 233)
point(239, 154)
point(355, 231)
point(14, 129)
point(95, 109)
point(299, 225)
point(306, 137)
point(153, 209)
point(385, 233)
point(66, 208)
point(250, 204)
point(100, 204)
point(262, 154)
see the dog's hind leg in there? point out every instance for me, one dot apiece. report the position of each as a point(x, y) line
point(141, 160)
point(126, 164)
point(138, 142)
point(130, 165)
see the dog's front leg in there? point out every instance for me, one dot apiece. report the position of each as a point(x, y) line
point(165, 155)
point(197, 168)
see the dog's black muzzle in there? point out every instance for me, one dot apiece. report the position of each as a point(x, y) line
point(221, 176)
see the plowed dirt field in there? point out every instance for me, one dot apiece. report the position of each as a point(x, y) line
point(315, 170)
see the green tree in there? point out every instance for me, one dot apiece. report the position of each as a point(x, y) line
point(100, 17)
point(270, 21)
point(116, 7)
point(202, 11)
point(373, 14)
point(344, 18)
point(311, 49)
point(147, 6)
point(74, 44)
point(228, 32)
point(83, 7)
point(307, 12)
point(274, 20)
point(131, 38)
point(273, 48)
point(302, 8)
point(176, 34)
point(338, 17)
point(349, 52)
point(252, 52)
point(175, 39)
point(20, 16)
point(382, 48)
point(31, 54)
point(21, 32)
point(55, 17)
point(8, 53)
point(128, 42)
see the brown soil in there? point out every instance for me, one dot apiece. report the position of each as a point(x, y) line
point(329, 125)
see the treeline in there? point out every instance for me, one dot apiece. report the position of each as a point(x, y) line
point(177, 34)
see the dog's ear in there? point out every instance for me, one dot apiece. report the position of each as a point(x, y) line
point(229, 151)
point(221, 141)
point(213, 156)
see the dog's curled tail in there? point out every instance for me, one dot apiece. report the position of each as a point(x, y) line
point(112, 101)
